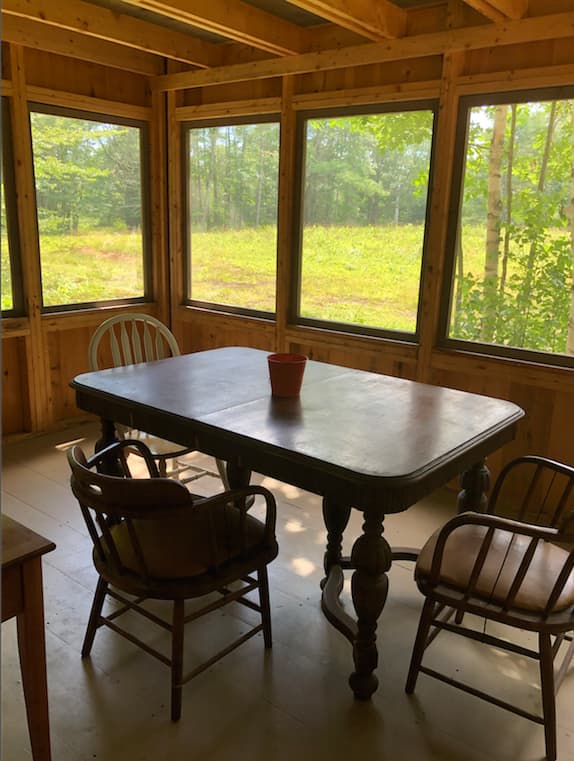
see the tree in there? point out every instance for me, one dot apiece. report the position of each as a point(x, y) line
point(493, 222)
point(521, 178)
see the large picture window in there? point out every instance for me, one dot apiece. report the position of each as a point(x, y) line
point(512, 231)
point(232, 183)
point(365, 181)
point(92, 217)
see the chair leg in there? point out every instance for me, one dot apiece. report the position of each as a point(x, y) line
point(419, 646)
point(95, 614)
point(176, 659)
point(265, 607)
point(548, 694)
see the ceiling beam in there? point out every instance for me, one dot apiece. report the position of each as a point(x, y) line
point(378, 21)
point(33, 34)
point(555, 26)
point(499, 10)
point(103, 24)
point(236, 21)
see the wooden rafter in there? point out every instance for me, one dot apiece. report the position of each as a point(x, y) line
point(376, 20)
point(556, 26)
point(499, 10)
point(100, 23)
point(33, 34)
point(235, 21)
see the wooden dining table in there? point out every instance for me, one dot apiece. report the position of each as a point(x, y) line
point(361, 440)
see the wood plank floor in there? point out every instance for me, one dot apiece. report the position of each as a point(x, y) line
point(290, 703)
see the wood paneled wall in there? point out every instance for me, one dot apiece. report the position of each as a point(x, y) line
point(41, 353)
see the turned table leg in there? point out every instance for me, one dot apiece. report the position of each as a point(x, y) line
point(371, 557)
point(111, 466)
point(475, 483)
point(336, 517)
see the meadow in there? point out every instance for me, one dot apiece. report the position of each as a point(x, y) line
point(360, 275)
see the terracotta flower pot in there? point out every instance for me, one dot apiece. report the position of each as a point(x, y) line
point(286, 373)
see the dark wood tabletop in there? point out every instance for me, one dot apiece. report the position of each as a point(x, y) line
point(356, 435)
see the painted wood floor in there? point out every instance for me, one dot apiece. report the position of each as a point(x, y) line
point(290, 703)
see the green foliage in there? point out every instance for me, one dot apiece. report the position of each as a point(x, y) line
point(367, 170)
point(233, 178)
point(533, 310)
point(87, 174)
point(529, 305)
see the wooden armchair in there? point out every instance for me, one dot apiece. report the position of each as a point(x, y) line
point(517, 570)
point(153, 539)
point(128, 339)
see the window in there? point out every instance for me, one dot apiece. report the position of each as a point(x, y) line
point(10, 249)
point(92, 217)
point(232, 182)
point(512, 228)
point(365, 184)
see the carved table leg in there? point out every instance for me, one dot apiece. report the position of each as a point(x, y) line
point(112, 466)
point(336, 517)
point(237, 477)
point(371, 557)
point(475, 482)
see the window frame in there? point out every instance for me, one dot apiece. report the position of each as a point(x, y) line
point(144, 128)
point(426, 104)
point(187, 231)
point(465, 105)
point(12, 217)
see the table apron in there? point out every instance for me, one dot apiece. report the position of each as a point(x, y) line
point(358, 490)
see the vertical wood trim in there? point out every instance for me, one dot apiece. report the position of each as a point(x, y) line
point(175, 209)
point(438, 217)
point(440, 198)
point(285, 231)
point(158, 208)
point(38, 367)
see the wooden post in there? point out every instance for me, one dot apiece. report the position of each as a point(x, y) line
point(158, 208)
point(439, 205)
point(285, 218)
point(37, 361)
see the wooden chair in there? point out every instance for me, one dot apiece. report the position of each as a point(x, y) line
point(511, 567)
point(153, 539)
point(131, 338)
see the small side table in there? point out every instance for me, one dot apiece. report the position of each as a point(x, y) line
point(22, 596)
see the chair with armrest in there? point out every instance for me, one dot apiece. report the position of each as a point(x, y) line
point(153, 539)
point(513, 565)
point(131, 338)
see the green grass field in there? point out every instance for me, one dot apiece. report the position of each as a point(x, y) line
point(360, 275)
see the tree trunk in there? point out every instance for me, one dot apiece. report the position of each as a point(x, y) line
point(507, 222)
point(259, 184)
point(493, 221)
point(524, 298)
point(508, 211)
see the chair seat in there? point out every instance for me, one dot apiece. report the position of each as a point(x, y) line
point(176, 549)
point(501, 565)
